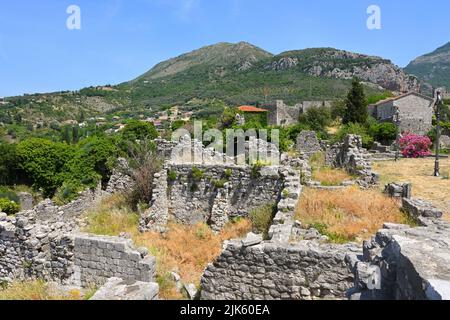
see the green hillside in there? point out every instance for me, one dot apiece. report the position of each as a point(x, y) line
point(433, 68)
point(234, 73)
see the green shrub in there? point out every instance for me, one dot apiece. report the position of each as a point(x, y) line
point(384, 133)
point(44, 162)
point(219, 184)
point(256, 168)
point(228, 173)
point(6, 193)
point(262, 218)
point(197, 174)
point(172, 175)
point(316, 118)
point(333, 237)
point(9, 207)
point(9, 170)
point(139, 130)
point(358, 129)
point(67, 192)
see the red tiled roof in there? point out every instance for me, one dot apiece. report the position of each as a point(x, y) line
point(251, 109)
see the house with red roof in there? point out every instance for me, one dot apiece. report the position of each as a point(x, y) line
point(254, 114)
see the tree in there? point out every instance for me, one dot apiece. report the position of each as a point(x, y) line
point(139, 130)
point(75, 134)
point(355, 105)
point(316, 118)
point(9, 170)
point(43, 161)
point(66, 135)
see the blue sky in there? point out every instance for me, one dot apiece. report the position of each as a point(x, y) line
point(121, 39)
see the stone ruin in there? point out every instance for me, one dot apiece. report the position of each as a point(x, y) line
point(45, 243)
point(351, 156)
point(209, 187)
point(308, 144)
point(400, 262)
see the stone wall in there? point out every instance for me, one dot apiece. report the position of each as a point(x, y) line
point(398, 190)
point(274, 271)
point(351, 156)
point(33, 250)
point(405, 263)
point(98, 258)
point(307, 143)
point(188, 193)
point(281, 114)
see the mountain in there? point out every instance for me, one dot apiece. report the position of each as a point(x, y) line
point(340, 64)
point(238, 73)
point(241, 56)
point(433, 68)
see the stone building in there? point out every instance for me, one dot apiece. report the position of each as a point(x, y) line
point(280, 114)
point(415, 110)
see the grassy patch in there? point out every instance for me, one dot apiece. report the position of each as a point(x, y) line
point(112, 217)
point(186, 250)
point(330, 177)
point(419, 172)
point(325, 175)
point(350, 214)
point(36, 290)
point(262, 218)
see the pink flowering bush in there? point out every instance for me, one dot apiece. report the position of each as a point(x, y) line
point(415, 146)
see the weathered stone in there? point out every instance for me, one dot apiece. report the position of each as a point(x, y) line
point(119, 289)
point(420, 208)
point(252, 240)
point(191, 291)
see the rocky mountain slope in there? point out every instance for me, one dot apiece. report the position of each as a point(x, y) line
point(433, 68)
point(235, 73)
point(340, 64)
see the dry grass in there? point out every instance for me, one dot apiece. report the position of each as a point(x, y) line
point(330, 177)
point(325, 175)
point(37, 290)
point(419, 172)
point(111, 217)
point(187, 250)
point(350, 214)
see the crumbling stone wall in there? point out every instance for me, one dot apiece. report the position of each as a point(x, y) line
point(220, 193)
point(98, 258)
point(42, 243)
point(398, 190)
point(273, 271)
point(351, 156)
point(405, 263)
point(307, 143)
point(34, 250)
point(280, 114)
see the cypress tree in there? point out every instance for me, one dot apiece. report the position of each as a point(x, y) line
point(356, 105)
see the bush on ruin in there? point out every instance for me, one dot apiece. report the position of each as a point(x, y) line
point(9, 207)
point(415, 146)
point(261, 218)
point(144, 164)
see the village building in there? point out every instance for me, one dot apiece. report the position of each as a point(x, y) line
point(281, 114)
point(415, 112)
point(253, 113)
